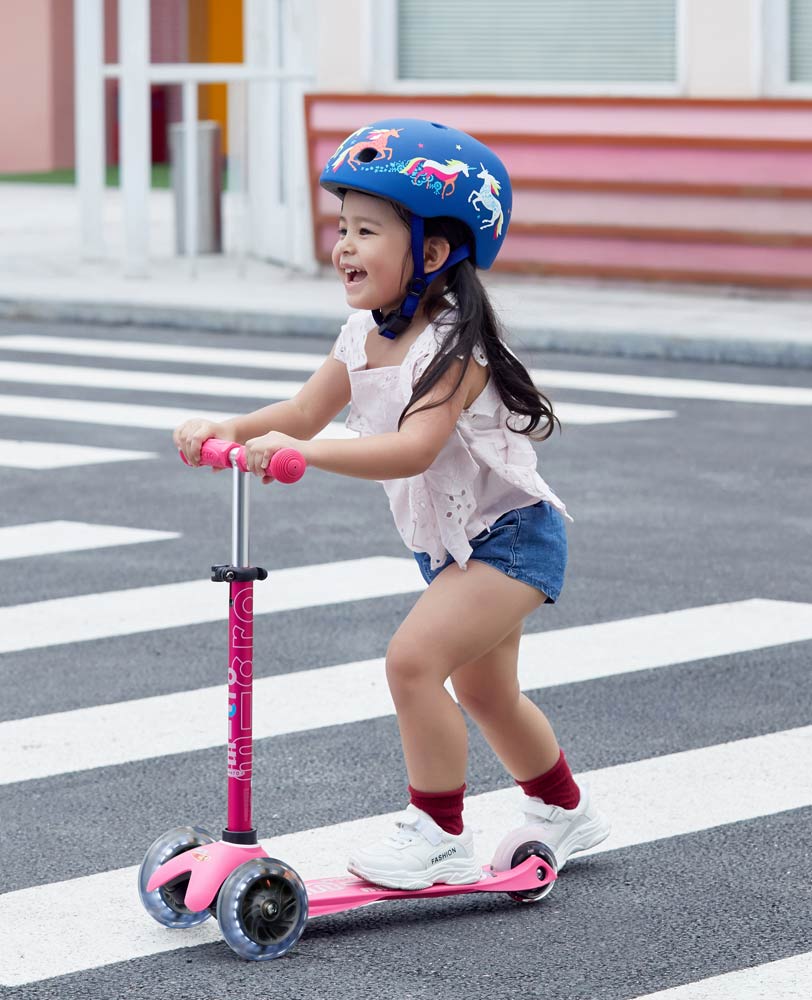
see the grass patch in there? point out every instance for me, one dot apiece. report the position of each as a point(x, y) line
point(160, 176)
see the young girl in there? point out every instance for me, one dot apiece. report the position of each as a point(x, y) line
point(445, 413)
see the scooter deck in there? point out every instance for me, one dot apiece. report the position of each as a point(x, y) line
point(346, 892)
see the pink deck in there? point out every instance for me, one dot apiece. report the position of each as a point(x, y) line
point(334, 895)
point(724, 186)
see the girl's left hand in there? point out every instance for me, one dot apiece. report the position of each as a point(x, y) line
point(259, 450)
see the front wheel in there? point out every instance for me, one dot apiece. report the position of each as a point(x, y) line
point(262, 909)
point(166, 903)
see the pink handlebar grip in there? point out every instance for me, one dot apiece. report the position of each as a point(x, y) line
point(286, 466)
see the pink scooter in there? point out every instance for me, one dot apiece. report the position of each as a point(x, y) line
point(261, 904)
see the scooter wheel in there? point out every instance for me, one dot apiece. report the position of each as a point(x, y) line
point(516, 848)
point(262, 909)
point(166, 903)
point(533, 848)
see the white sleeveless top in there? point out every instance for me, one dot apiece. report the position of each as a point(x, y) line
point(483, 470)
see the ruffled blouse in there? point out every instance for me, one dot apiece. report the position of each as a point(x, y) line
point(483, 470)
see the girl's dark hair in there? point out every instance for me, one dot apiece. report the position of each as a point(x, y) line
point(475, 325)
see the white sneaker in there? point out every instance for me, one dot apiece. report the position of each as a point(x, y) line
point(564, 831)
point(418, 854)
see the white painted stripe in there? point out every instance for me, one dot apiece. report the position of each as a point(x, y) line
point(84, 411)
point(352, 692)
point(786, 979)
point(636, 385)
point(170, 605)
point(50, 537)
point(48, 455)
point(582, 413)
point(167, 417)
point(168, 382)
point(186, 354)
point(99, 919)
point(287, 361)
point(673, 388)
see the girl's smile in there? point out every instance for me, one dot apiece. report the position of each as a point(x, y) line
point(372, 254)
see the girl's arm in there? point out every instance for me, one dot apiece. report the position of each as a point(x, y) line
point(324, 395)
point(396, 455)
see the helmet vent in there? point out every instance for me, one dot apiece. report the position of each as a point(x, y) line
point(367, 154)
point(437, 125)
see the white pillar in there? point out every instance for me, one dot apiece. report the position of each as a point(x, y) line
point(723, 41)
point(190, 176)
point(277, 34)
point(88, 34)
point(134, 132)
point(298, 59)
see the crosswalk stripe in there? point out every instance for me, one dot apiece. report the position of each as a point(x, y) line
point(49, 455)
point(673, 388)
point(84, 411)
point(289, 361)
point(50, 537)
point(637, 385)
point(167, 417)
point(185, 354)
point(352, 692)
point(140, 381)
point(99, 919)
point(786, 979)
point(170, 605)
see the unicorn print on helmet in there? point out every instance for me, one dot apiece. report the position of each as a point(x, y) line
point(486, 197)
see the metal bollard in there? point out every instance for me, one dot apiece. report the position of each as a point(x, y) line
point(209, 186)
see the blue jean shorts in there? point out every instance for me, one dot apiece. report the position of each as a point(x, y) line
point(528, 544)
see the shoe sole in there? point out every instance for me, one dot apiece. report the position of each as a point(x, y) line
point(442, 874)
point(585, 837)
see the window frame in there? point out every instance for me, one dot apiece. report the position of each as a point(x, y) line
point(775, 52)
point(382, 18)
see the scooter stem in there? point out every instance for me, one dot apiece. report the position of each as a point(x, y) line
point(240, 669)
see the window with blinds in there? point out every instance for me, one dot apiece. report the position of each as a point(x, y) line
point(555, 41)
point(800, 41)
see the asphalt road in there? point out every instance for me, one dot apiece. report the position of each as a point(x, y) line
point(706, 507)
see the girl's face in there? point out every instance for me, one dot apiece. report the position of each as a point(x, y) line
point(373, 253)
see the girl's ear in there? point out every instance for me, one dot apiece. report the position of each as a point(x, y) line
point(435, 252)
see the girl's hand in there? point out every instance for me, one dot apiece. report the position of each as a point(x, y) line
point(259, 450)
point(190, 436)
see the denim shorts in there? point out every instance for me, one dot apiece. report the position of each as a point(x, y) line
point(529, 544)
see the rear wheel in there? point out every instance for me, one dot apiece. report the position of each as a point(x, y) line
point(531, 849)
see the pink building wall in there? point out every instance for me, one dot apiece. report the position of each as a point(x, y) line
point(37, 77)
point(36, 84)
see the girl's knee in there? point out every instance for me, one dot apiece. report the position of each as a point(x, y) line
point(407, 668)
point(483, 701)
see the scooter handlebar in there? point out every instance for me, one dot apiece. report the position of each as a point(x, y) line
point(286, 466)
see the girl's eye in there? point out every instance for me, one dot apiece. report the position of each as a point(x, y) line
point(342, 231)
point(365, 232)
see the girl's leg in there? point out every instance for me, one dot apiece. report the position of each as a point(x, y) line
point(557, 811)
point(516, 729)
point(461, 618)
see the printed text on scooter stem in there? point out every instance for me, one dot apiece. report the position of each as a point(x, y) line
point(239, 693)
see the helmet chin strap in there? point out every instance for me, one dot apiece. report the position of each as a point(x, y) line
point(399, 319)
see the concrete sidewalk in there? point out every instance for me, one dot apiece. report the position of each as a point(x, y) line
point(42, 277)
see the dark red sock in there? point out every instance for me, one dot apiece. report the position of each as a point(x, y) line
point(556, 787)
point(445, 808)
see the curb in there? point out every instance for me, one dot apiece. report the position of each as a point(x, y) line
point(610, 343)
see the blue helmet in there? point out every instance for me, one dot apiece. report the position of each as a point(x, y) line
point(432, 170)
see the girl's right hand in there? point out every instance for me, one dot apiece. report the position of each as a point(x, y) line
point(190, 436)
